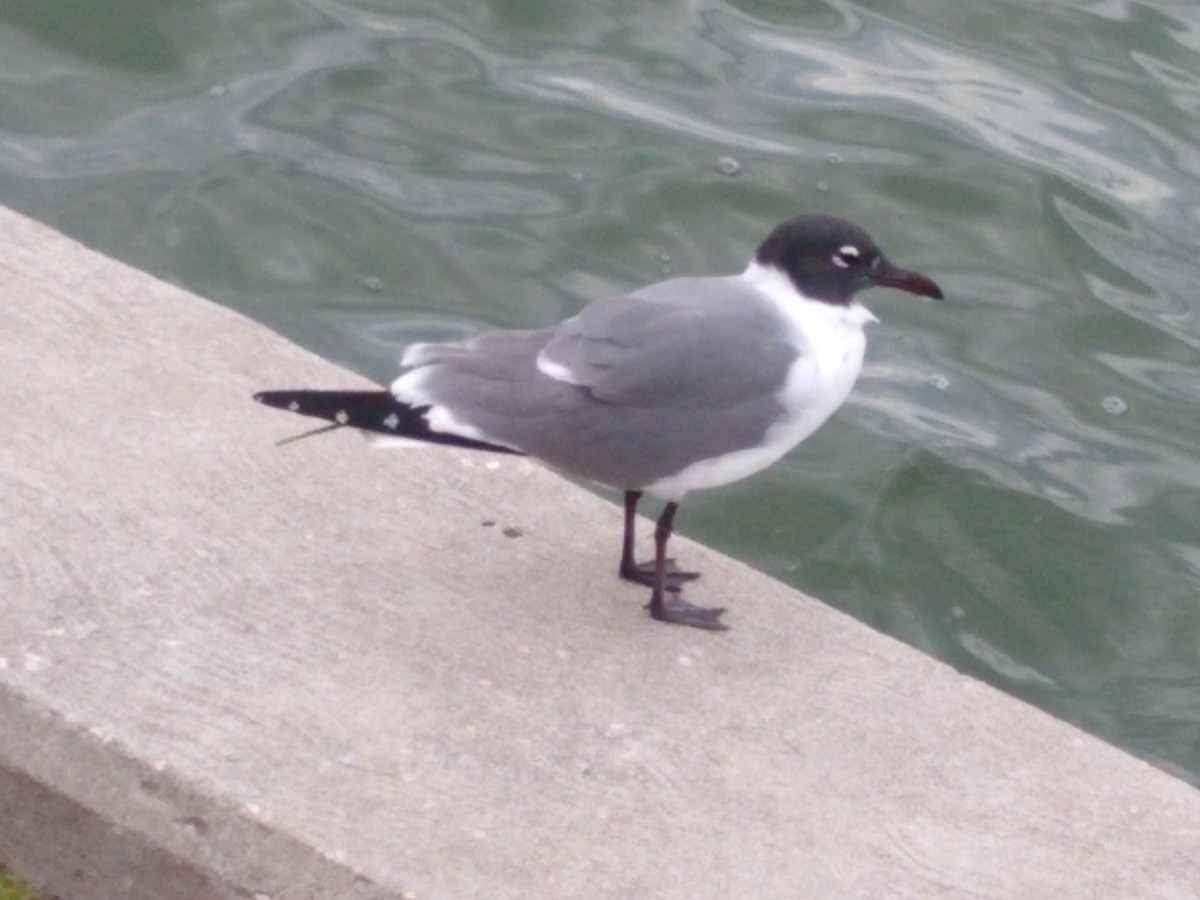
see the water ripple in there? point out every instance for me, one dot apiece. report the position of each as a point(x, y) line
point(598, 87)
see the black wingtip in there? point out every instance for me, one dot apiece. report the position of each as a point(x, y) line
point(277, 399)
point(375, 411)
point(304, 402)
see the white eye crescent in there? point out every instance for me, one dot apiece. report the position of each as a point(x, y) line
point(844, 255)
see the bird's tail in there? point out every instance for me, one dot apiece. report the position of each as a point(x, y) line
point(376, 412)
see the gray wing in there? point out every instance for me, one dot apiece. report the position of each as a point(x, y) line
point(631, 390)
point(699, 343)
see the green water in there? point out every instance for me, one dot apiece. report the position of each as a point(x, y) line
point(1014, 485)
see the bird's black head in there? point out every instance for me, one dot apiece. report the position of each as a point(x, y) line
point(831, 260)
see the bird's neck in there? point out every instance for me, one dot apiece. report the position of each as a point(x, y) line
point(779, 287)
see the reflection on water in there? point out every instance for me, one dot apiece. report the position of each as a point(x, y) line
point(1014, 485)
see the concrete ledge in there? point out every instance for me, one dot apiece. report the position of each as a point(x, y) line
point(234, 670)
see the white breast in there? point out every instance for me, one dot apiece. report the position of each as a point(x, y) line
point(830, 342)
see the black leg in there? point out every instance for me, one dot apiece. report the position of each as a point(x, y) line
point(644, 573)
point(669, 606)
point(630, 570)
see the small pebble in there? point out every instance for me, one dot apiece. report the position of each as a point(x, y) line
point(512, 532)
point(218, 90)
point(1114, 405)
point(727, 165)
point(373, 284)
point(941, 382)
point(823, 186)
point(833, 158)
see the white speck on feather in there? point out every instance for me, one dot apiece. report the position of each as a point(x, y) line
point(100, 734)
point(342, 417)
point(294, 406)
point(392, 421)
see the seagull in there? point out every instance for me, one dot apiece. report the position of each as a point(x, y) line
point(688, 384)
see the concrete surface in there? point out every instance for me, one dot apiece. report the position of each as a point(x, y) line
point(229, 669)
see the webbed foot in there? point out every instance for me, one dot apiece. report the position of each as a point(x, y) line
point(674, 609)
point(643, 573)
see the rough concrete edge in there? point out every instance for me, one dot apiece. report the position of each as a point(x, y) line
point(84, 817)
point(133, 827)
point(156, 834)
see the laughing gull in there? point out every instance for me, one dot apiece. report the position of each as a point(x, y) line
point(686, 384)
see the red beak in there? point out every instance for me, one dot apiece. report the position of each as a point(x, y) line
point(907, 280)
